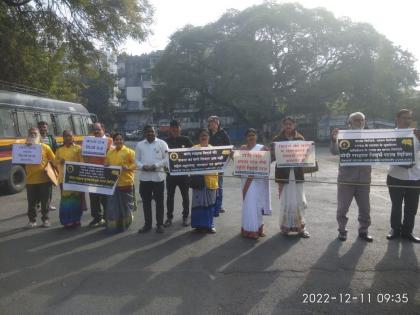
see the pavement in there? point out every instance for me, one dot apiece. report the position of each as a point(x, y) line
point(85, 271)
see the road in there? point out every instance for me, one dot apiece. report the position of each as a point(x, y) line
point(57, 271)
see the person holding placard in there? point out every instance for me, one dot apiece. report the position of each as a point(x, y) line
point(72, 203)
point(255, 194)
point(97, 201)
point(203, 202)
point(290, 182)
point(151, 158)
point(120, 206)
point(353, 182)
point(38, 184)
point(408, 176)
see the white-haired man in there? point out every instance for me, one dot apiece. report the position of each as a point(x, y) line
point(353, 182)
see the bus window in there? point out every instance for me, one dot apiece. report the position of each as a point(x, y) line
point(7, 126)
point(88, 123)
point(78, 125)
point(30, 119)
point(22, 126)
point(63, 122)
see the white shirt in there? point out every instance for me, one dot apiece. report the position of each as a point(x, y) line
point(403, 173)
point(155, 153)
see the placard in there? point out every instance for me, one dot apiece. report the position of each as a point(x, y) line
point(198, 160)
point(26, 154)
point(377, 146)
point(295, 153)
point(251, 163)
point(91, 178)
point(94, 146)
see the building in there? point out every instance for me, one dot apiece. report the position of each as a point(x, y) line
point(135, 84)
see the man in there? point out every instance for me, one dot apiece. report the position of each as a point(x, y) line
point(175, 141)
point(218, 137)
point(359, 188)
point(151, 158)
point(38, 184)
point(49, 140)
point(408, 176)
point(97, 201)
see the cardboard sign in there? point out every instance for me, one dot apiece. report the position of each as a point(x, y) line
point(295, 153)
point(92, 178)
point(377, 146)
point(252, 163)
point(94, 146)
point(26, 154)
point(208, 160)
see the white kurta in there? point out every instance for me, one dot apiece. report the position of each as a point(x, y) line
point(256, 203)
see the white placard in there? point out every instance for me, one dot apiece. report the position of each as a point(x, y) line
point(26, 154)
point(252, 163)
point(94, 146)
point(295, 153)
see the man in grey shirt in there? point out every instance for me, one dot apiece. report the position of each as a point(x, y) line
point(353, 181)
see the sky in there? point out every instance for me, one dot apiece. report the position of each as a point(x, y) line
point(398, 20)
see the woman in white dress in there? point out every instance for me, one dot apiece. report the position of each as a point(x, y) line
point(290, 182)
point(255, 194)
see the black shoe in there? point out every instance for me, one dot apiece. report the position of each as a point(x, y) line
point(96, 222)
point(366, 237)
point(342, 236)
point(167, 223)
point(411, 238)
point(222, 210)
point(185, 222)
point(160, 229)
point(144, 229)
point(393, 234)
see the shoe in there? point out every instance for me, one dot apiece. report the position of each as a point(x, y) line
point(31, 225)
point(342, 236)
point(393, 234)
point(46, 224)
point(185, 222)
point(304, 234)
point(366, 237)
point(167, 223)
point(211, 231)
point(144, 229)
point(411, 238)
point(222, 210)
point(160, 229)
point(52, 208)
point(97, 222)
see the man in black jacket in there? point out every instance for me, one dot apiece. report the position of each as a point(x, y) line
point(218, 137)
point(176, 141)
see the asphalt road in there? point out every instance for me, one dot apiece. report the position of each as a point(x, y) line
point(57, 271)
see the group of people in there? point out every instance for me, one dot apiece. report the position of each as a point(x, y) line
point(150, 159)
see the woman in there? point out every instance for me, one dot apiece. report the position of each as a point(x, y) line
point(255, 194)
point(290, 181)
point(120, 206)
point(204, 199)
point(72, 203)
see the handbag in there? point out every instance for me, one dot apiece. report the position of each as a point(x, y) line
point(197, 181)
point(311, 169)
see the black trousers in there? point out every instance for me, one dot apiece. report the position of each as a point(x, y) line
point(410, 197)
point(152, 190)
point(38, 194)
point(183, 183)
point(97, 205)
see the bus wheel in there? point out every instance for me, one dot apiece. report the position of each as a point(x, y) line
point(17, 179)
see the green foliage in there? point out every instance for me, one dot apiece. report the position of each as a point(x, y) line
point(272, 59)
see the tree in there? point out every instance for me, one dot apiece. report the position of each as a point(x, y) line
point(273, 58)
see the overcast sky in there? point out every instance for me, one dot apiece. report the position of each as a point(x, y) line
point(398, 20)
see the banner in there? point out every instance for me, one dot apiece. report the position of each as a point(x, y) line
point(91, 178)
point(377, 146)
point(94, 146)
point(198, 160)
point(26, 154)
point(252, 163)
point(295, 153)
